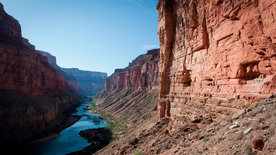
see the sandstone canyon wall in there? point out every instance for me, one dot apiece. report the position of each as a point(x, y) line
point(215, 52)
point(32, 92)
point(70, 79)
point(52, 60)
point(141, 74)
point(131, 93)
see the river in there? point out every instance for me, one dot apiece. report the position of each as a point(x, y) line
point(69, 139)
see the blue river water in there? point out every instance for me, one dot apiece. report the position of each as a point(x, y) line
point(69, 139)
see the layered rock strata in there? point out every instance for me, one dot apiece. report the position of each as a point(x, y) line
point(221, 52)
point(32, 92)
point(141, 74)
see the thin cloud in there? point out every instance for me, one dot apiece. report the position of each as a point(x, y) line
point(136, 2)
point(149, 47)
point(142, 3)
point(152, 3)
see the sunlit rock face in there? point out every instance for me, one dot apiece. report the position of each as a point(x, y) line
point(131, 94)
point(215, 52)
point(32, 92)
point(141, 74)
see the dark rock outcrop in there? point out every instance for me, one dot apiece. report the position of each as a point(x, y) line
point(52, 60)
point(98, 138)
point(32, 93)
point(10, 31)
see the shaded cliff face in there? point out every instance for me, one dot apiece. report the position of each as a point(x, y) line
point(90, 83)
point(141, 74)
point(28, 72)
point(70, 79)
point(52, 60)
point(32, 93)
point(215, 51)
point(10, 31)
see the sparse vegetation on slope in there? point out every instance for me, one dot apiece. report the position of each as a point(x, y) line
point(117, 126)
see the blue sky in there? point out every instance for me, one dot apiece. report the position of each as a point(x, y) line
point(96, 35)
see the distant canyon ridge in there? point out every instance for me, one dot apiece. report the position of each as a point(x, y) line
point(89, 83)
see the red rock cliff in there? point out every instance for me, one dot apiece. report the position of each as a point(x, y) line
point(88, 83)
point(32, 93)
point(213, 51)
point(70, 79)
point(141, 74)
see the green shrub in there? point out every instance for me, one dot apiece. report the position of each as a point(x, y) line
point(138, 153)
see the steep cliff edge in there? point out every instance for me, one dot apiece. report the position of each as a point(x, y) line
point(215, 52)
point(32, 93)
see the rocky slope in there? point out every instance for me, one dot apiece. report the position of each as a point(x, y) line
point(32, 93)
point(132, 106)
point(248, 131)
point(141, 74)
point(90, 83)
